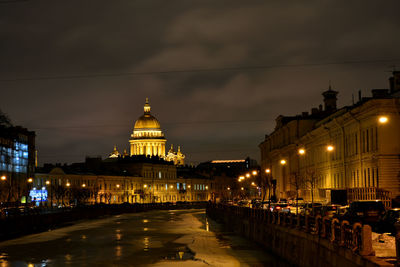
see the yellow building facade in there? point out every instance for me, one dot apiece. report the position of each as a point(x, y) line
point(354, 149)
point(153, 184)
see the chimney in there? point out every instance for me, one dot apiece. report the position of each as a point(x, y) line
point(394, 82)
point(330, 100)
point(379, 93)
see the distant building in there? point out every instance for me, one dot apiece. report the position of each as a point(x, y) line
point(339, 155)
point(17, 162)
point(148, 139)
point(137, 179)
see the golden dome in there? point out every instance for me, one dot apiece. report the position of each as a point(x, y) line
point(147, 121)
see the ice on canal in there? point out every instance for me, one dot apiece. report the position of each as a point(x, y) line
point(156, 238)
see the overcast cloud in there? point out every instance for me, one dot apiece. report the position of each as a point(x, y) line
point(216, 114)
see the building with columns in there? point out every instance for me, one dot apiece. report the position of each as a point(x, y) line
point(147, 137)
point(332, 154)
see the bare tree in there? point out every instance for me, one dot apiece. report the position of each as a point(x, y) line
point(5, 120)
point(298, 183)
point(312, 179)
point(59, 192)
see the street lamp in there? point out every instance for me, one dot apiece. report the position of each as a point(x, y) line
point(383, 119)
point(268, 171)
point(3, 178)
point(301, 151)
point(30, 180)
point(68, 184)
point(247, 175)
point(283, 162)
point(83, 185)
point(330, 148)
point(254, 172)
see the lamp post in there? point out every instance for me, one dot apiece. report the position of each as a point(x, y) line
point(51, 192)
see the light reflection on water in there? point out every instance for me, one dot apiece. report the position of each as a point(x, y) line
point(105, 246)
point(146, 243)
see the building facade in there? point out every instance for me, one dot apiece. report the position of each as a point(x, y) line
point(331, 154)
point(141, 182)
point(17, 162)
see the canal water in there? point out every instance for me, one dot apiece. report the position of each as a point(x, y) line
point(154, 238)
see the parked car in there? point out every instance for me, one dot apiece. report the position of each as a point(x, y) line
point(280, 207)
point(244, 203)
point(365, 211)
point(386, 224)
point(312, 209)
point(256, 203)
point(330, 210)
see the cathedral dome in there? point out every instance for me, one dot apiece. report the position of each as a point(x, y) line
point(147, 121)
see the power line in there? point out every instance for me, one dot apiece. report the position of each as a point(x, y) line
point(242, 68)
point(164, 123)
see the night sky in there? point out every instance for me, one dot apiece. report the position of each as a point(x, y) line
point(217, 73)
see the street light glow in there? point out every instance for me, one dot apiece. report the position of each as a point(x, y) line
point(30, 180)
point(268, 171)
point(68, 184)
point(252, 183)
point(383, 119)
point(117, 185)
point(229, 188)
point(3, 177)
point(302, 151)
point(254, 172)
point(83, 185)
point(145, 186)
point(47, 182)
point(247, 175)
point(330, 148)
point(283, 162)
point(242, 188)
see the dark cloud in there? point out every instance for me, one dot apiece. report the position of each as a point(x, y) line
point(211, 114)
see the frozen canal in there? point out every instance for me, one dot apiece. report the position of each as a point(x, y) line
point(156, 238)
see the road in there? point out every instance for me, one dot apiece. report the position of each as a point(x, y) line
point(155, 238)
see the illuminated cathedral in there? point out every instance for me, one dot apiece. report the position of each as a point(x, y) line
point(149, 140)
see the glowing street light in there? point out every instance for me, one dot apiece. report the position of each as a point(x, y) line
point(68, 184)
point(83, 185)
point(242, 188)
point(383, 119)
point(301, 151)
point(229, 188)
point(254, 172)
point(330, 148)
point(145, 186)
point(30, 180)
point(47, 182)
point(3, 178)
point(283, 162)
point(267, 171)
point(252, 183)
point(118, 185)
point(247, 175)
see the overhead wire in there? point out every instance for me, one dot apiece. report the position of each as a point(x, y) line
point(178, 71)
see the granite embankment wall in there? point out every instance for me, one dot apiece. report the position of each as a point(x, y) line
point(39, 220)
point(301, 240)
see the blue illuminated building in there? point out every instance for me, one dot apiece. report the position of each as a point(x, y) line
point(17, 161)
